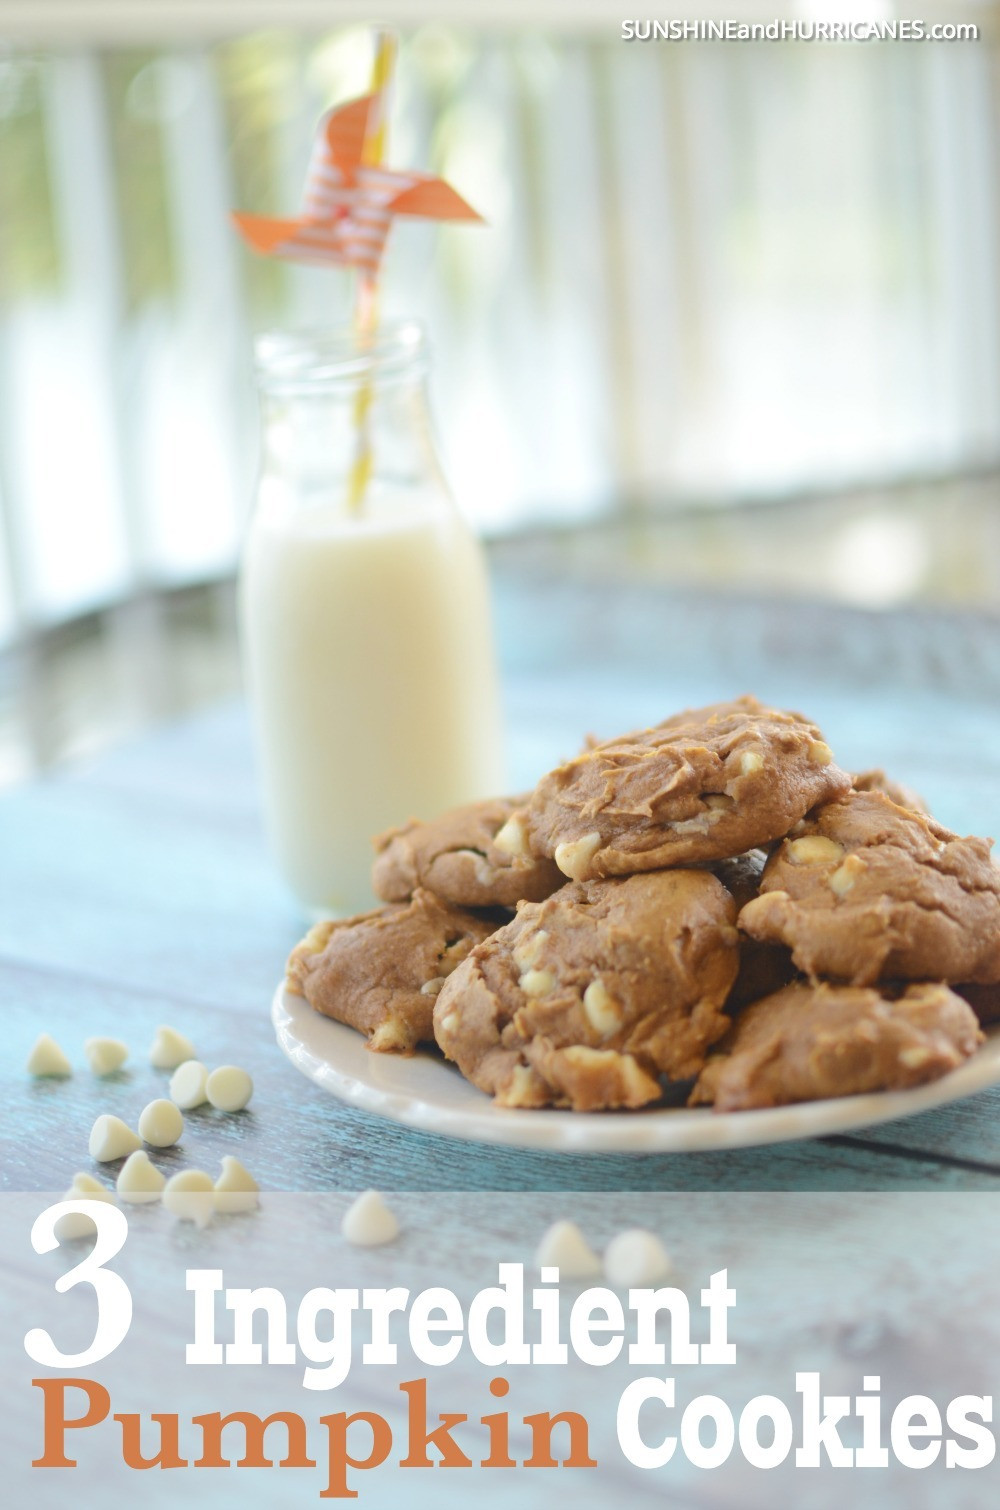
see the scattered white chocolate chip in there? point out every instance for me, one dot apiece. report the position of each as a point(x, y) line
point(47, 1058)
point(813, 849)
point(105, 1055)
point(187, 1085)
point(84, 1184)
point(751, 761)
point(111, 1138)
point(537, 982)
point(138, 1180)
point(75, 1224)
point(820, 752)
point(635, 1257)
point(602, 1011)
point(564, 1247)
point(190, 1196)
point(169, 1049)
point(915, 1058)
point(229, 1088)
point(449, 1023)
point(432, 987)
point(512, 839)
point(235, 1189)
point(161, 1124)
point(573, 856)
point(368, 1222)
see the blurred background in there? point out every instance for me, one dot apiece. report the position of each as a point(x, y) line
point(734, 324)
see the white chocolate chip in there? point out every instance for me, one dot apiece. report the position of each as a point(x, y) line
point(368, 1222)
point(433, 986)
point(140, 1181)
point(235, 1189)
point(699, 825)
point(512, 839)
point(229, 1088)
point(719, 802)
point(161, 1124)
point(529, 949)
point(47, 1058)
point(76, 1224)
point(814, 849)
point(845, 875)
point(915, 1058)
point(449, 1023)
point(110, 1138)
point(573, 857)
point(635, 1257)
point(537, 982)
point(190, 1196)
point(169, 1049)
point(187, 1085)
point(521, 1089)
point(105, 1055)
point(86, 1185)
point(634, 1081)
point(564, 1247)
point(751, 761)
point(820, 752)
point(453, 954)
point(390, 1037)
point(602, 1011)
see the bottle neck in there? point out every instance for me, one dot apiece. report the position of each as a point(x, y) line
point(332, 410)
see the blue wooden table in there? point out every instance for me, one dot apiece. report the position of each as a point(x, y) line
point(137, 889)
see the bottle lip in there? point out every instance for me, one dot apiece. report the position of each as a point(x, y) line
point(326, 359)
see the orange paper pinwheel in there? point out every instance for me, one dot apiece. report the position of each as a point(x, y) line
point(348, 204)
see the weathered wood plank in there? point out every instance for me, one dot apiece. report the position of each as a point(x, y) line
point(296, 1137)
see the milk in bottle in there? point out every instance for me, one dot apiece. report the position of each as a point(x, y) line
point(366, 633)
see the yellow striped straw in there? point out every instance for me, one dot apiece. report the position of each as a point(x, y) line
point(366, 302)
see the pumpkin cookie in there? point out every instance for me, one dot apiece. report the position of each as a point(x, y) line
point(380, 972)
point(903, 796)
point(809, 1042)
point(868, 890)
point(477, 856)
point(703, 785)
point(585, 999)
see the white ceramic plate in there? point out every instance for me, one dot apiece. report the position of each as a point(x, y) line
point(427, 1093)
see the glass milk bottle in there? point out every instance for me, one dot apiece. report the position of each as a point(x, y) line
point(366, 631)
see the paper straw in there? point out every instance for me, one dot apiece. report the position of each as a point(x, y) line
point(366, 299)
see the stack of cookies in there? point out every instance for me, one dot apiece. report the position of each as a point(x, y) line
point(711, 900)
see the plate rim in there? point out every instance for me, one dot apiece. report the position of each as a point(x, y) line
point(639, 1132)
